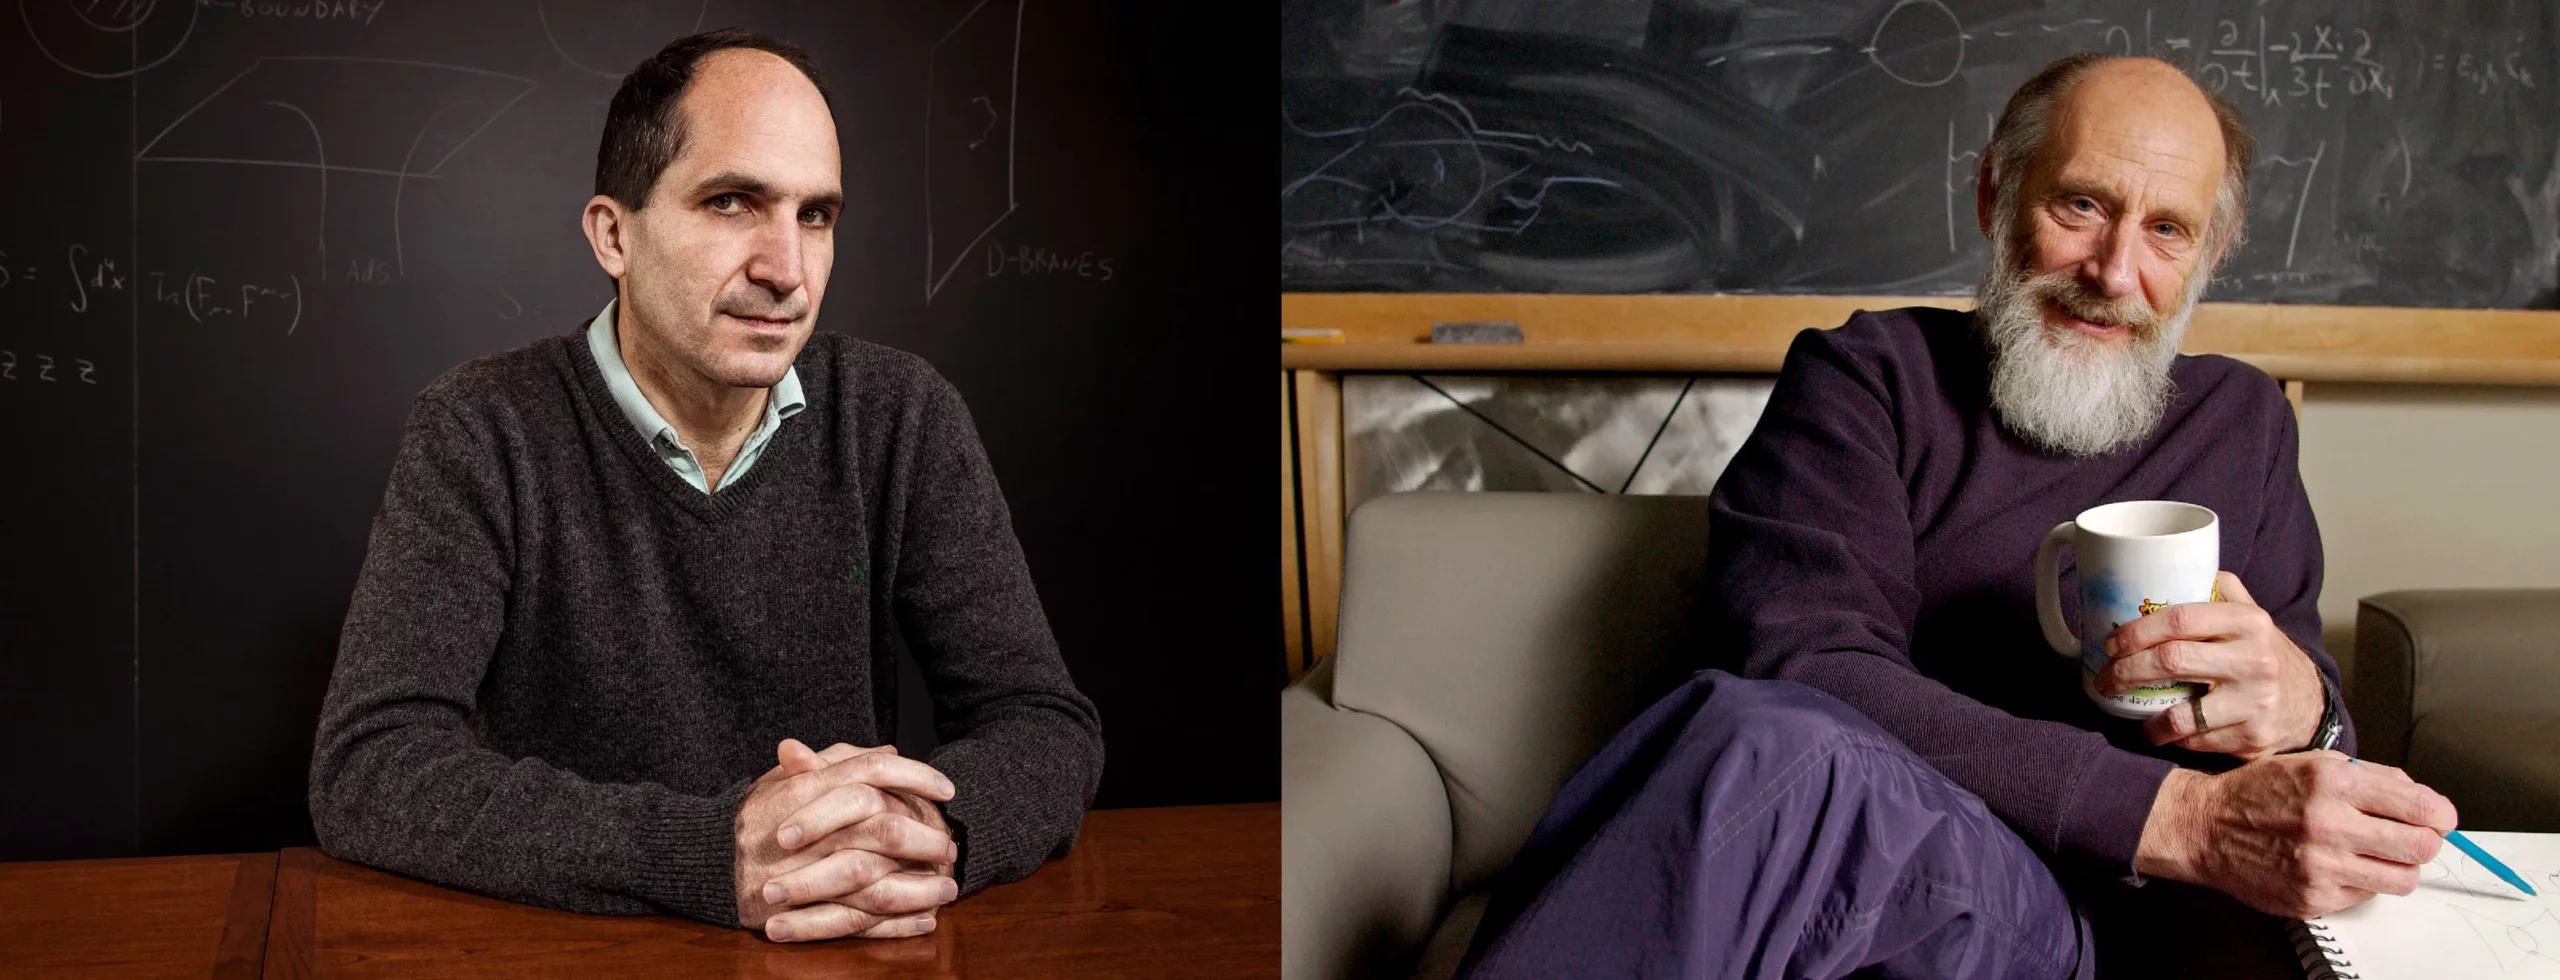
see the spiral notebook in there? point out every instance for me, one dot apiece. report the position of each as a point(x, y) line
point(2461, 922)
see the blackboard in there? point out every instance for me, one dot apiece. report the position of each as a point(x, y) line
point(2406, 148)
point(238, 236)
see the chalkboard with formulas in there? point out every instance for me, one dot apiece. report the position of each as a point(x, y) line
point(2408, 152)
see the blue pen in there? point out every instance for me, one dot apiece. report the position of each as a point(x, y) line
point(2494, 865)
point(2488, 862)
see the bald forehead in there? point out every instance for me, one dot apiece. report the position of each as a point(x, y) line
point(2146, 92)
point(755, 123)
point(733, 75)
point(2139, 117)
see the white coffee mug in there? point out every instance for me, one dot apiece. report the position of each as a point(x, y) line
point(2135, 558)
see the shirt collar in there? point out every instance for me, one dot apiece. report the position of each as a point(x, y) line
point(784, 401)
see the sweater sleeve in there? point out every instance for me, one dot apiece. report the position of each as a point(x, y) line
point(398, 780)
point(2285, 567)
point(1022, 746)
point(1812, 580)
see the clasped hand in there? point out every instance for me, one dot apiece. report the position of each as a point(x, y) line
point(2266, 695)
point(845, 842)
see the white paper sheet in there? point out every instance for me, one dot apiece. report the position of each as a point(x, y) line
point(2462, 921)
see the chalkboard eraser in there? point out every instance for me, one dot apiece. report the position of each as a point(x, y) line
point(1480, 332)
point(1311, 335)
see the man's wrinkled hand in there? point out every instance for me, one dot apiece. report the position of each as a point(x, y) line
point(2266, 695)
point(846, 842)
point(2298, 836)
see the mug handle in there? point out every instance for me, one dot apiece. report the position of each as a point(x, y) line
point(2057, 631)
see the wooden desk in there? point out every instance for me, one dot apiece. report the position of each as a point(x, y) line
point(1167, 892)
point(138, 917)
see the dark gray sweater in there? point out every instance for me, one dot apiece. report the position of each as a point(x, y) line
point(563, 665)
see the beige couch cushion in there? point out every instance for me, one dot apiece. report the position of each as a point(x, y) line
point(1511, 635)
point(1364, 839)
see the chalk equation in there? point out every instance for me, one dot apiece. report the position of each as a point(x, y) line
point(84, 276)
point(2238, 57)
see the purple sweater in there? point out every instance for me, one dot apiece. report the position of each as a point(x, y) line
point(1876, 539)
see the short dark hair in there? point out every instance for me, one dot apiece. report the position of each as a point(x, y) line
point(643, 132)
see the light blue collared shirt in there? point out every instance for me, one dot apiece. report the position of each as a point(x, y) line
point(781, 402)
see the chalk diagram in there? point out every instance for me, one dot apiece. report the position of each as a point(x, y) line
point(1421, 165)
point(1525, 160)
point(2520, 935)
point(621, 32)
point(341, 117)
point(1906, 42)
point(973, 74)
point(107, 39)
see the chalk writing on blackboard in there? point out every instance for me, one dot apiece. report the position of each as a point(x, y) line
point(355, 11)
point(2302, 198)
point(108, 40)
point(1029, 260)
point(320, 151)
point(971, 87)
point(1934, 25)
point(440, 108)
point(102, 275)
point(46, 368)
point(582, 22)
point(1444, 170)
point(2405, 155)
point(84, 276)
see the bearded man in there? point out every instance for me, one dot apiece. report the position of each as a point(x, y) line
point(1906, 779)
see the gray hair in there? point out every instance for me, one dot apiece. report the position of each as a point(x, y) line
point(2027, 120)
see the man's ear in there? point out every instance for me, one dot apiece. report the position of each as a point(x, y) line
point(2226, 241)
point(1986, 194)
point(606, 223)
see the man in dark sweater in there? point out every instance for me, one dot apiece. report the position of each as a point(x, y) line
point(1910, 781)
point(624, 577)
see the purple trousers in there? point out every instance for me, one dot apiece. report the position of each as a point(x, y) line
point(1763, 829)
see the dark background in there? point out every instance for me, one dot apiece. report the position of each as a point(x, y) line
point(208, 343)
point(2406, 148)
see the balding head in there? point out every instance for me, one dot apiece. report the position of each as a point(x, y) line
point(2141, 111)
point(2092, 100)
point(2111, 190)
point(718, 187)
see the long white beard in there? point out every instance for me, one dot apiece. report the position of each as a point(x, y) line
point(2064, 391)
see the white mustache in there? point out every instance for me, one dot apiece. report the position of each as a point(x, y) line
point(2077, 299)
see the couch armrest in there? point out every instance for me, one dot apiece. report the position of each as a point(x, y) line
point(1364, 830)
point(2467, 650)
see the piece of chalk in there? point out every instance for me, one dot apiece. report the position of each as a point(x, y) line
point(1478, 332)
